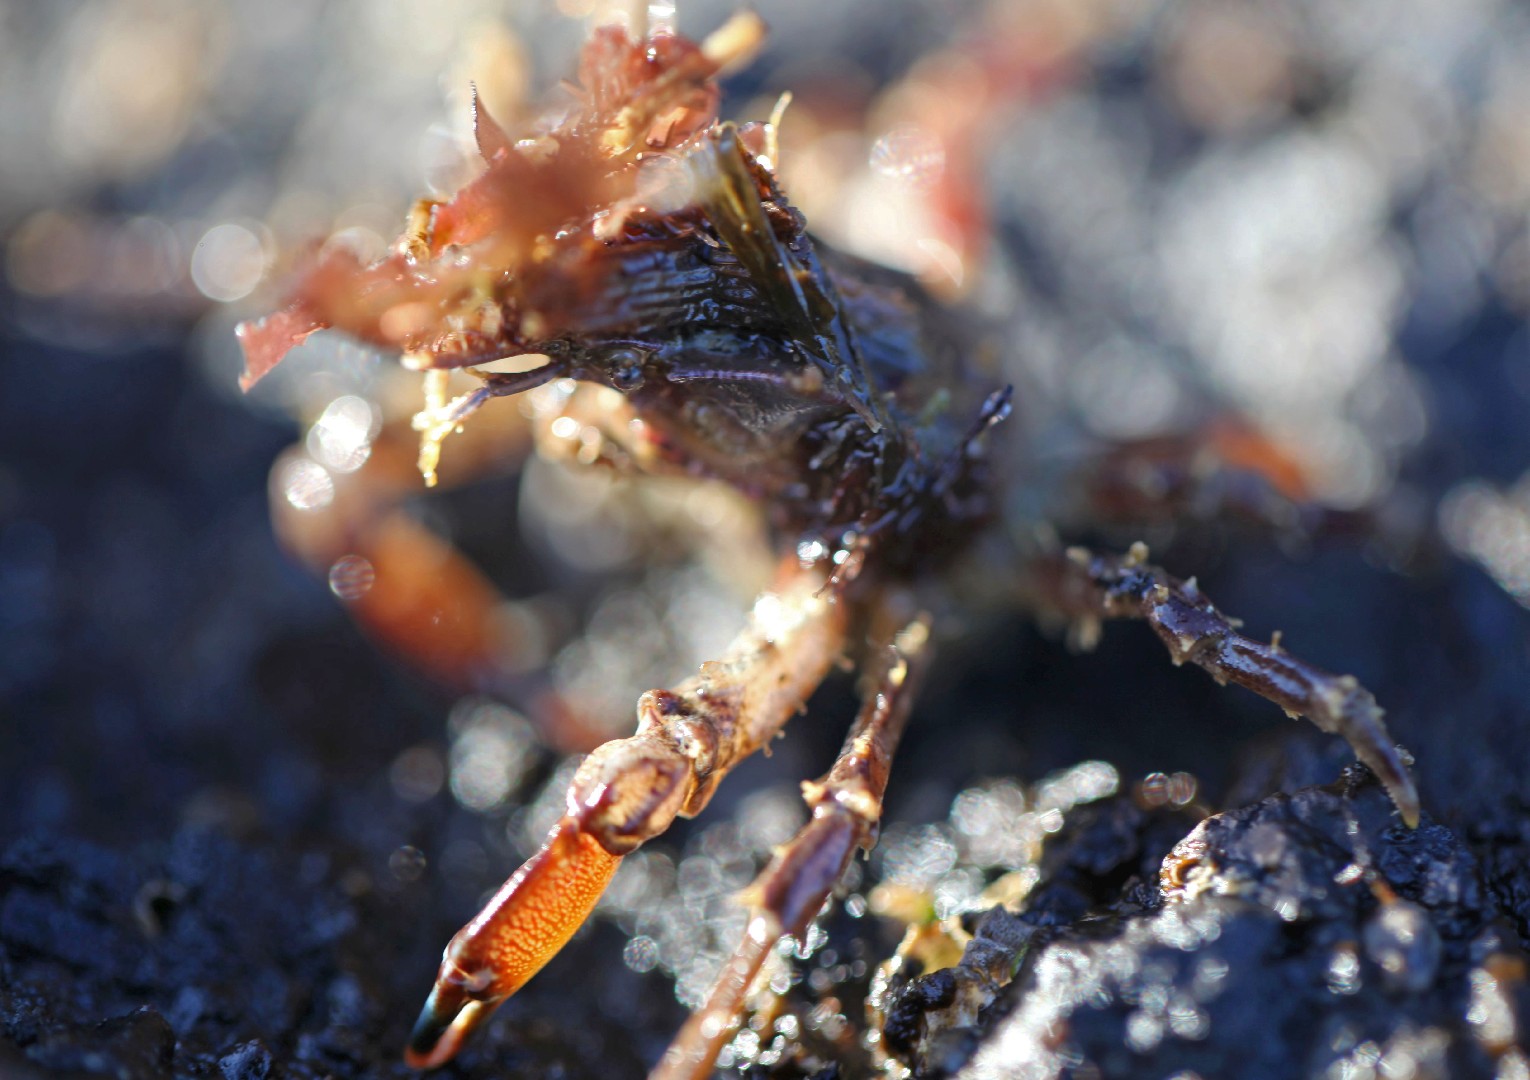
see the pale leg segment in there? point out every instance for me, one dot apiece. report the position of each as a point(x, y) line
point(846, 807)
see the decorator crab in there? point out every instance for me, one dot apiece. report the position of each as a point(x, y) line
point(642, 261)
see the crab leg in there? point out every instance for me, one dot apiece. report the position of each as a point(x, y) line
point(1223, 472)
point(427, 603)
point(628, 791)
point(1088, 588)
point(846, 806)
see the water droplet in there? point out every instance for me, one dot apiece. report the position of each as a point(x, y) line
point(228, 262)
point(417, 774)
point(407, 863)
point(912, 156)
point(341, 438)
point(1344, 970)
point(641, 954)
point(306, 485)
point(351, 577)
point(493, 749)
point(1143, 1032)
point(1402, 942)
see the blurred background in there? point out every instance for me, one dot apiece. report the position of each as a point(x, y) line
point(236, 835)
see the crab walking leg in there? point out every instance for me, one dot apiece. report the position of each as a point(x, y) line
point(421, 584)
point(1087, 587)
point(628, 791)
point(1223, 472)
point(421, 597)
point(846, 806)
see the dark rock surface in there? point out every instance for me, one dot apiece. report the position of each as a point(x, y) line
point(1304, 934)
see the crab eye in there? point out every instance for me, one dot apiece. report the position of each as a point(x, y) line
point(626, 367)
point(627, 378)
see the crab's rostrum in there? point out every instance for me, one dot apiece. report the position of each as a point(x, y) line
point(636, 243)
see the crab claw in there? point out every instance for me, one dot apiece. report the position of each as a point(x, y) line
point(531, 917)
point(450, 1015)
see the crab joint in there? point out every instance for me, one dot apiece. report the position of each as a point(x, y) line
point(531, 917)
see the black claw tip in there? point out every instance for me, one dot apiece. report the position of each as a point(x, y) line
point(448, 1017)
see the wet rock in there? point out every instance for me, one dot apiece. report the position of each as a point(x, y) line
point(138, 1046)
point(248, 1061)
point(1303, 934)
point(1103, 857)
point(258, 971)
point(1400, 940)
point(1504, 841)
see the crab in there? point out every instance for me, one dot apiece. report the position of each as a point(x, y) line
point(640, 265)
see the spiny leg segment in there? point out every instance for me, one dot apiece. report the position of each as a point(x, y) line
point(846, 808)
point(1087, 588)
point(628, 791)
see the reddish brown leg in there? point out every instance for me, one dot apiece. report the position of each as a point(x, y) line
point(1088, 588)
point(846, 806)
point(426, 602)
point(628, 791)
point(406, 587)
point(1224, 472)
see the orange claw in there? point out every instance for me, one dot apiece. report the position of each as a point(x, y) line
point(531, 917)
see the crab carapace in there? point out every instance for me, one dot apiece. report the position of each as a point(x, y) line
point(635, 243)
